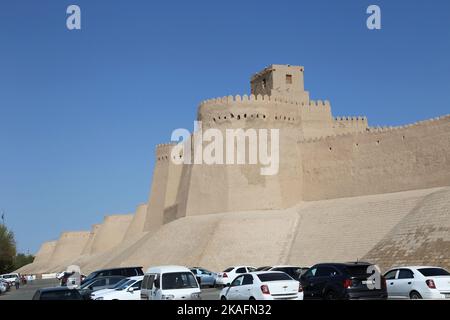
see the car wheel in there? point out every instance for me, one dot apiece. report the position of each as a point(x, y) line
point(415, 295)
point(251, 298)
point(330, 295)
point(223, 298)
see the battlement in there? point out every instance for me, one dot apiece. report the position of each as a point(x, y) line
point(349, 124)
point(261, 109)
point(163, 151)
point(350, 119)
point(376, 130)
point(249, 99)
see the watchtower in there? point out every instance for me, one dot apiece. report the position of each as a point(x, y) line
point(280, 80)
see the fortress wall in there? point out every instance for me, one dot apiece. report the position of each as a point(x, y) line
point(381, 161)
point(343, 125)
point(317, 120)
point(111, 232)
point(41, 259)
point(312, 118)
point(45, 252)
point(421, 237)
point(345, 229)
point(93, 234)
point(137, 224)
point(68, 248)
point(264, 239)
point(174, 176)
point(155, 210)
point(331, 230)
point(200, 240)
point(178, 242)
point(112, 257)
point(183, 190)
point(204, 195)
point(223, 188)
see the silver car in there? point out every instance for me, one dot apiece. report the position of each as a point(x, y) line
point(207, 278)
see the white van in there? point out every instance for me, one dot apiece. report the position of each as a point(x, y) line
point(170, 283)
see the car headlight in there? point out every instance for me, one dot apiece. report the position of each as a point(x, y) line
point(99, 298)
point(167, 297)
point(195, 296)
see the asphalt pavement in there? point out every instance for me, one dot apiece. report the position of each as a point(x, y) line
point(26, 292)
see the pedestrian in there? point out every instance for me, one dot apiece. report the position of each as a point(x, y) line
point(17, 282)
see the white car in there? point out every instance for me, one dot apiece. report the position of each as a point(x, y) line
point(263, 285)
point(418, 282)
point(2, 287)
point(11, 277)
point(229, 274)
point(170, 283)
point(104, 291)
point(130, 289)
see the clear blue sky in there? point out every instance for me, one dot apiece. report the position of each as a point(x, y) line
point(82, 111)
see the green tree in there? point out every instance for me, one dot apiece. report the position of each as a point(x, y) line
point(22, 259)
point(7, 249)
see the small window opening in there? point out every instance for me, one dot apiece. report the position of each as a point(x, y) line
point(289, 79)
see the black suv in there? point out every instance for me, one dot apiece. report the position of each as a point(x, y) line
point(351, 280)
point(124, 272)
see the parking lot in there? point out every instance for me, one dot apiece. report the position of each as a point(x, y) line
point(27, 291)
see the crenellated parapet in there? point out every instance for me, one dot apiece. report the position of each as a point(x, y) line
point(248, 99)
point(349, 124)
point(261, 110)
point(374, 131)
point(163, 151)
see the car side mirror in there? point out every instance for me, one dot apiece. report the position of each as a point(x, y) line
point(131, 290)
point(227, 285)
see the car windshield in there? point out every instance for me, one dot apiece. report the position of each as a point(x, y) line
point(120, 283)
point(228, 269)
point(273, 276)
point(87, 283)
point(205, 271)
point(178, 280)
point(90, 277)
point(430, 272)
point(124, 284)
